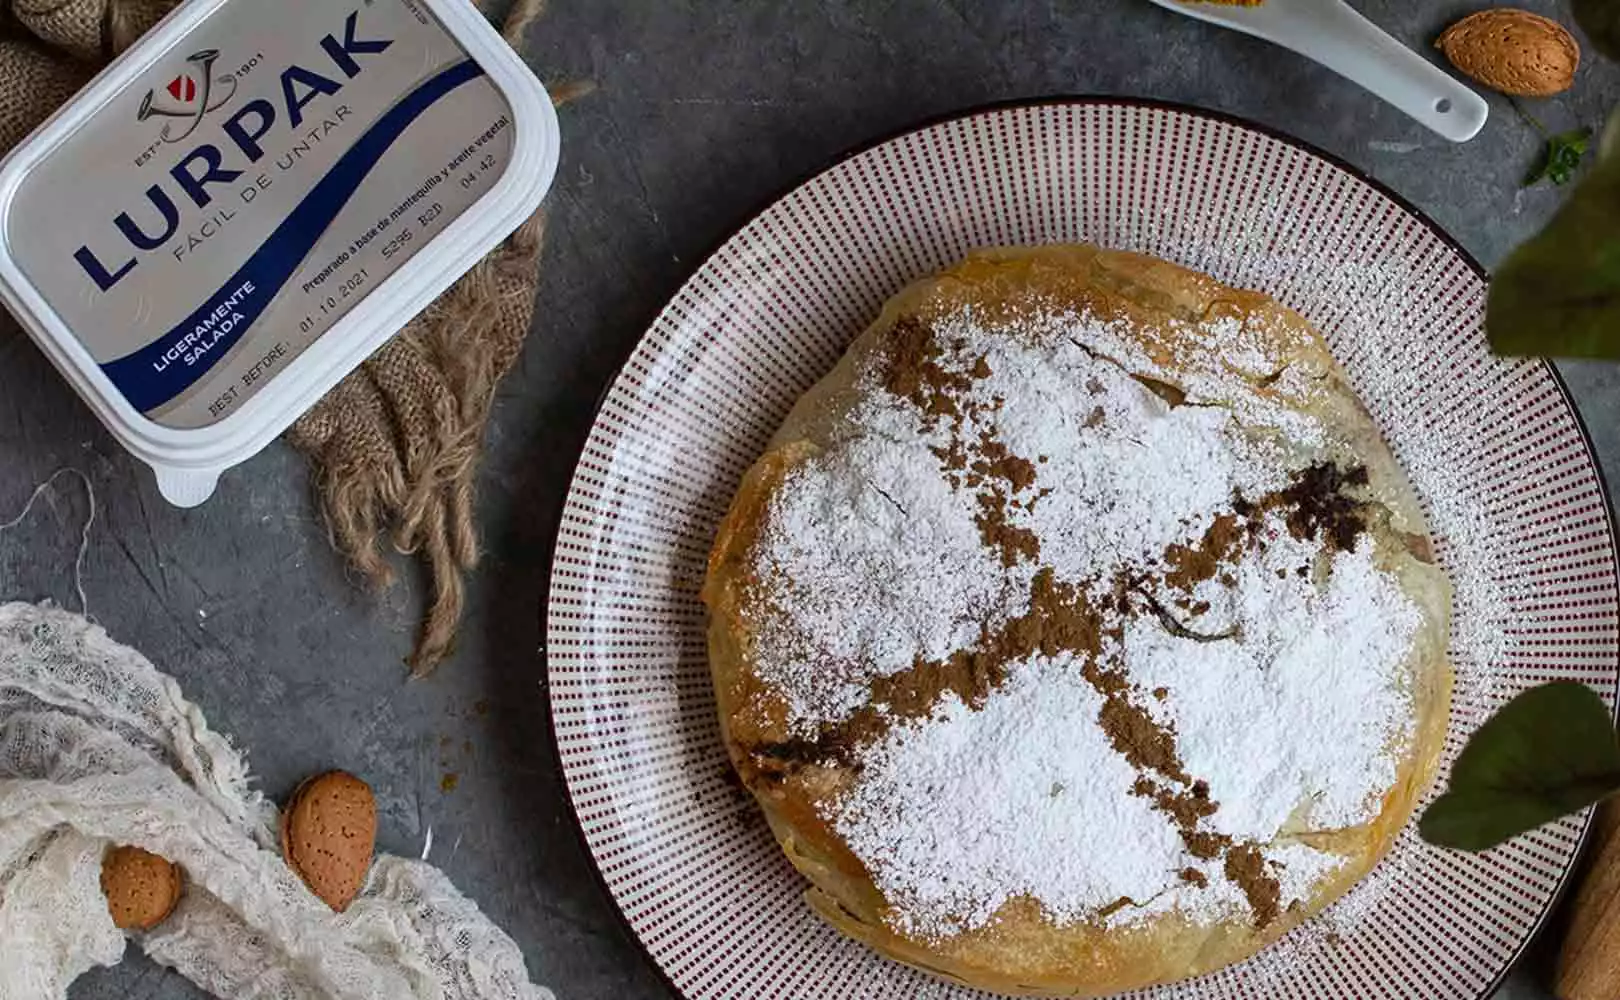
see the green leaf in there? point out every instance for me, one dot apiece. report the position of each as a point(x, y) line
point(1600, 19)
point(1562, 157)
point(1549, 752)
point(1558, 295)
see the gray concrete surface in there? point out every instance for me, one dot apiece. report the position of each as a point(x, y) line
point(704, 109)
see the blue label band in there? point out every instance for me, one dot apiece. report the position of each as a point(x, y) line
point(157, 373)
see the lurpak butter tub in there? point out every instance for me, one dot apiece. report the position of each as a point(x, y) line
point(247, 204)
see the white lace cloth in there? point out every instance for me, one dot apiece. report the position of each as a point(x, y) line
point(98, 747)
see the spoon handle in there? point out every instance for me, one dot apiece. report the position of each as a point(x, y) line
point(1336, 36)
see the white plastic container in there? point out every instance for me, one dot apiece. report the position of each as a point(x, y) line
point(246, 205)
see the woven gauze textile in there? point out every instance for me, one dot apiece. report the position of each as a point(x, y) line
point(97, 748)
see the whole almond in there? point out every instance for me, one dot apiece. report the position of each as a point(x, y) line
point(1513, 51)
point(142, 889)
point(329, 834)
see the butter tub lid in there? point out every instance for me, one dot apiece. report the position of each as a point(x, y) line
point(243, 207)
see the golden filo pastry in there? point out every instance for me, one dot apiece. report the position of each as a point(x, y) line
point(1079, 631)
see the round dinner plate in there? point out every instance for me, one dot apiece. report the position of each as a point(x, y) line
point(1493, 446)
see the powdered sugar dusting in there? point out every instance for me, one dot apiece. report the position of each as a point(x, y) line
point(939, 801)
point(861, 605)
point(1367, 310)
point(1107, 442)
point(1301, 868)
point(878, 559)
point(968, 810)
point(1049, 445)
point(1310, 650)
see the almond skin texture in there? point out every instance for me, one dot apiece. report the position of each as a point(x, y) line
point(1513, 51)
point(329, 834)
point(142, 889)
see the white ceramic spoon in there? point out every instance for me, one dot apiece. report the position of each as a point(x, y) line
point(1333, 34)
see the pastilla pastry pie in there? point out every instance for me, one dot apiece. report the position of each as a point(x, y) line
point(1079, 631)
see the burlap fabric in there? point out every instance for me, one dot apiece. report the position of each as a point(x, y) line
point(395, 446)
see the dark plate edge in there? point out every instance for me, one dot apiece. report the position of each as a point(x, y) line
point(1435, 228)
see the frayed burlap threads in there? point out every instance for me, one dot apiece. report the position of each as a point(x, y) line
point(396, 445)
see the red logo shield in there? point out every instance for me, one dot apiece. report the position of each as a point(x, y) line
point(183, 89)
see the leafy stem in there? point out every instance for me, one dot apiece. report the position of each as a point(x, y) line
point(1562, 157)
point(1563, 153)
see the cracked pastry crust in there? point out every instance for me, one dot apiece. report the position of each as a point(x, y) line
point(1024, 951)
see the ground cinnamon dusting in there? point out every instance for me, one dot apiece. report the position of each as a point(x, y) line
point(1186, 809)
point(1000, 463)
point(1015, 543)
point(1246, 866)
point(914, 373)
point(1078, 619)
point(1317, 506)
point(1139, 739)
point(1205, 845)
point(1060, 620)
point(912, 694)
point(954, 459)
point(1190, 566)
